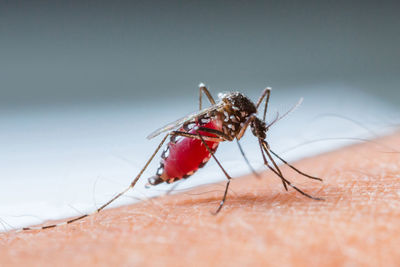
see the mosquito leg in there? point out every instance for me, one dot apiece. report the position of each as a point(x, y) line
point(220, 134)
point(133, 183)
point(226, 137)
point(283, 178)
point(221, 204)
point(138, 176)
point(286, 113)
point(266, 92)
point(203, 89)
point(195, 136)
point(247, 161)
point(244, 128)
point(276, 168)
point(266, 104)
point(273, 162)
point(221, 137)
point(294, 168)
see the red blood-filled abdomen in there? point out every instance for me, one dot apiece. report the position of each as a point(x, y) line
point(187, 154)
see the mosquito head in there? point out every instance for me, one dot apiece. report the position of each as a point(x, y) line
point(259, 128)
point(238, 102)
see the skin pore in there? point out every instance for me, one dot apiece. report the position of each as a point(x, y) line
point(260, 224)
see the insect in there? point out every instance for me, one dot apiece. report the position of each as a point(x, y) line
point(195, 138)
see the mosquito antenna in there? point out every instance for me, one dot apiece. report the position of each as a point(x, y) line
point(291, 166)
point(247, 160)
point(281, 176)
point(287, 112)
point(273, 121)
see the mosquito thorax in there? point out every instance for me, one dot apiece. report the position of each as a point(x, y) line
point(234, 113)
point(239, 102)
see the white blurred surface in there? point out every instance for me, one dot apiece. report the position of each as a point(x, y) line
point(62, 162)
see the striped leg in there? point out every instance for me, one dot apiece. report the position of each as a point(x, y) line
point(264, 147)
point(132, 185)
point(203, 89)
point(221, 204)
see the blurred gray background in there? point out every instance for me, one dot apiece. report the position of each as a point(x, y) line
point(82, 83)
point(73, 52)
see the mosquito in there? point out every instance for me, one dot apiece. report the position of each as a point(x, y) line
point(194, 139)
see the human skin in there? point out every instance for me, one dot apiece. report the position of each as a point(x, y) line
point(358, 223)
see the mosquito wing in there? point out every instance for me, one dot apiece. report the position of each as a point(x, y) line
point(181, 121)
